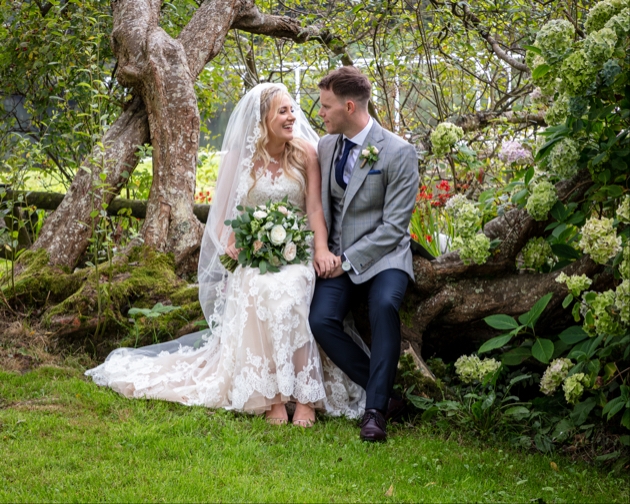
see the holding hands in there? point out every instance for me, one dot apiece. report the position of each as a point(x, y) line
point(327, 264)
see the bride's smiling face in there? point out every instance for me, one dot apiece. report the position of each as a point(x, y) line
point(280, 121)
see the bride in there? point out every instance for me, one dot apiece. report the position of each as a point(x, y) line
point(258, 353)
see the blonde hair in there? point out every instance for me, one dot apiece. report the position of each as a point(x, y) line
point(294, 157)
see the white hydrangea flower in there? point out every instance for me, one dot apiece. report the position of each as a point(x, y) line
point(563, 158)
point(623, 210)
point(471, 368)
point(600, 240)
point(536, 253)
point(622, 301)
point(471, 249)
point(465, 215)
point(555, 39)
point(575, 283)
point(624, 267)
point(558, 112)
point(600, 46)
point(541, 200)
point(573, 387)
point(444, 137)
point(578, 73)
point(606, 323)
point(601, 13)
point(554, 374)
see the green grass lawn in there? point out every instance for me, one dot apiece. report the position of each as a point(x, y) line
point(62, 438)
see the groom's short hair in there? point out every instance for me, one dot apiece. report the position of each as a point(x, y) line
point(348, 82)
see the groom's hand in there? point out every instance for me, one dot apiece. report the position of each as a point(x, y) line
point(335, 272)
point(325, 262)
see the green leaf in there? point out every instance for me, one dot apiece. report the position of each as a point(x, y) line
point(576, 312)
point(567, 300)
point(613, 407)
point(501, 322)
point(581, 411)
point(562, 250)
point(530, 318)
point(540, 71)
point(529, 175)
point(572, 335)
point(534, 49)
point(542, 350)
point(516, 356)
point(497, 342)
point(517, 411)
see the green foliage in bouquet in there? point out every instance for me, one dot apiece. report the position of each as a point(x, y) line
point(269, 236)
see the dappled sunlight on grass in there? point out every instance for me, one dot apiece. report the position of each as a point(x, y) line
point(62, 438)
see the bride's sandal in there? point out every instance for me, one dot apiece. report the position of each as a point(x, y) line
point(277, 415)
point(304, 416)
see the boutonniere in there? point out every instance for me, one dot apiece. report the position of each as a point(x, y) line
point(369, 155)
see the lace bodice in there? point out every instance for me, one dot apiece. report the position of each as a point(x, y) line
point(275, 188)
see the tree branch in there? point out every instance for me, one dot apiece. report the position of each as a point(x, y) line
point(471, 20)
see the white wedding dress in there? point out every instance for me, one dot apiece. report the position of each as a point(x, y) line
point(263, 352)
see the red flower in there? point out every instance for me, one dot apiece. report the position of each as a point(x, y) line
point(428, 238)
point(444, 186)
point(414, 236)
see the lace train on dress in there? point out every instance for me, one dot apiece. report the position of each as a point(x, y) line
point(262, 352)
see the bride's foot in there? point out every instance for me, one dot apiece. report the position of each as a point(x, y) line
point(277, 415)
point(304, 415)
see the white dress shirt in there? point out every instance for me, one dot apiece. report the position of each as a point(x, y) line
point(358, 139)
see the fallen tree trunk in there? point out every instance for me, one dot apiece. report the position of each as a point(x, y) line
point(136, 208)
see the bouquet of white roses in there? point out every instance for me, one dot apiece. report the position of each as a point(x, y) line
point(269, 236)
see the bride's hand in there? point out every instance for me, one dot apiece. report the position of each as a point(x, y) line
point(231, 250)
point(325, 262)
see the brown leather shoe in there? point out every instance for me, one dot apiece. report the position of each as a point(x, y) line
point(373, 426)
point(396, 408)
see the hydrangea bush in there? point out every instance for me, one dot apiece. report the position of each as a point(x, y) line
point(583, 76)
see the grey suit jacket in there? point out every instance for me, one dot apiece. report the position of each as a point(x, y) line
point(377, 205)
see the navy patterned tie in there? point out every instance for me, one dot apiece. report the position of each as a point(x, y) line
point(342, 163)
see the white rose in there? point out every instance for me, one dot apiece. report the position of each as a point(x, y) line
point(374, 150)
point(283, 210)
point(277, 234)
point(290, 251)
point(259, 214)
point(269, 225)
point(365, 153)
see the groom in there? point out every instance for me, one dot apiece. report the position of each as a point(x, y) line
point(368, 200)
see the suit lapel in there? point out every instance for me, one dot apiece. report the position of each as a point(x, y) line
point(328, 157)
point(375, 137)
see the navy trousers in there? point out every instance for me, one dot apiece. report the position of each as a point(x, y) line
point(331, 303)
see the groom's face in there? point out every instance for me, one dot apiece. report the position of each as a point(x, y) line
point(334, 111)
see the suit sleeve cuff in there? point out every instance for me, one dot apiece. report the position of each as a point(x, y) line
point(346, 259)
